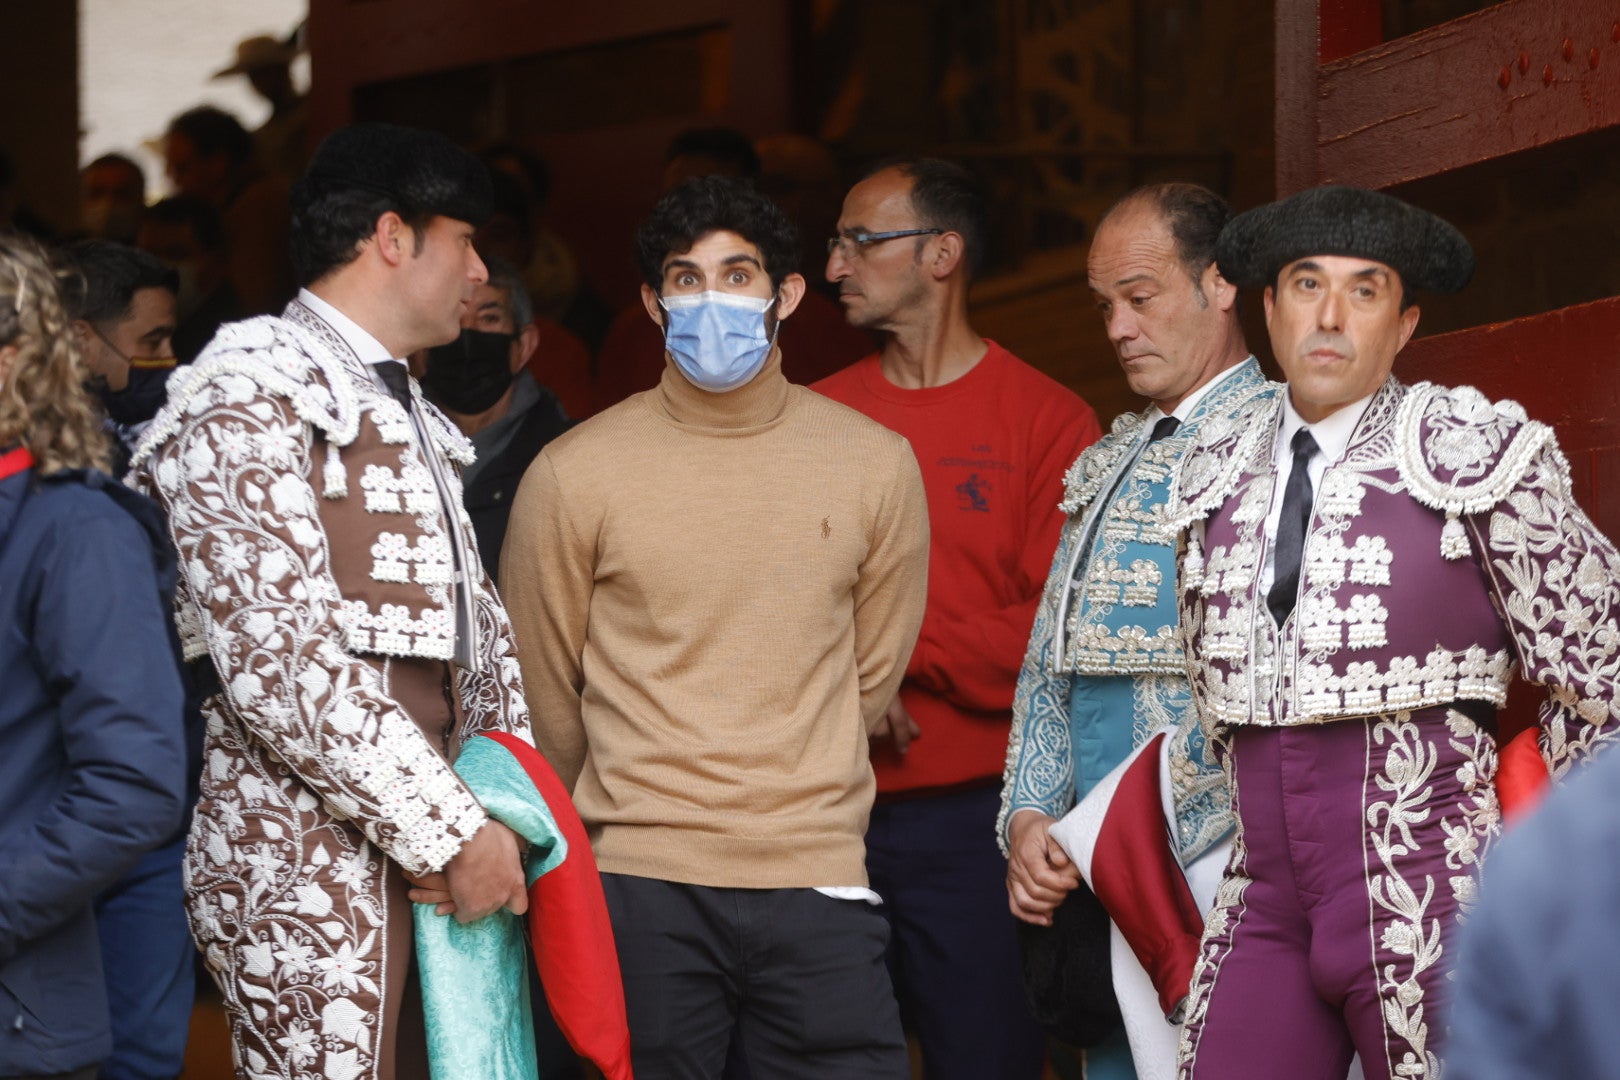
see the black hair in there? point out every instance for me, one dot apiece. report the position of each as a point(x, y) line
point(1193, 214)
point(214, 132)
point(945, 196)
point(706, 204)
point(364, 171)
point(121, 162)
point(327, 229)
point(197, 213)
point(726, 145)
point(101, 277)
point(510, 198)
point(503, 275)
point(536, 173)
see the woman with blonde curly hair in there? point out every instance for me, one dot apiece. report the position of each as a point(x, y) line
point(92, 756)
point(43, 406)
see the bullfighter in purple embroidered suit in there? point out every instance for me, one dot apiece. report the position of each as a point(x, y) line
point(1366, 565)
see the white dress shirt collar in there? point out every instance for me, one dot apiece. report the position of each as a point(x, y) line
point(1190, 402)
point(366, 347)
point(1332, 433)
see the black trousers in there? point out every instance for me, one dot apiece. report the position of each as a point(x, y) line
point(798, 977)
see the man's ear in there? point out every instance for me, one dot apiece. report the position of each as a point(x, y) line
point(1217, 288)
point(1268, 299)
point(1409, 321)
point(788, 295)
point(395, 240)
point(89, 345)
point(523, 347)
point(949, 251)
point(649, 300)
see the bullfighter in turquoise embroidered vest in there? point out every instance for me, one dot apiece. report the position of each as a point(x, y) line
point(1104, 669)
point(1367, 564)
point(330, 587)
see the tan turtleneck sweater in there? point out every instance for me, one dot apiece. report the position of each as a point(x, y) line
point(714, 597)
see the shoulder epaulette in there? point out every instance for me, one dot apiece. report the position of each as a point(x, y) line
point(1226, 443)
point(263, 356)
point(1460, 452)
point(1097, 463)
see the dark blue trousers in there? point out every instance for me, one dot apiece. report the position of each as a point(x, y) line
point(148, 959)
point(953, 950)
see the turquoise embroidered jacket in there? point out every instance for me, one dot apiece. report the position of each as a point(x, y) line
point(1105, 660)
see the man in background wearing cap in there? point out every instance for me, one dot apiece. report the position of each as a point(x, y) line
point(1364, 565)
point(332, 594)
point(281, 142)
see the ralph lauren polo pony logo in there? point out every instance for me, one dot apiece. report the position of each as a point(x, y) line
point(826, 528)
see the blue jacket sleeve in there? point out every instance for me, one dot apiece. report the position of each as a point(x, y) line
point(102, 645)
point(1040, 764)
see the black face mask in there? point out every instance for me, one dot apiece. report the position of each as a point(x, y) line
point(469, 375)
point(139, 401)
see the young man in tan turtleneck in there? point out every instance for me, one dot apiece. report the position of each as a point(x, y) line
point(716, 585)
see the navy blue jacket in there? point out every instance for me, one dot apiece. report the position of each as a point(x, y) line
point(1538, 961)
point(92, 751)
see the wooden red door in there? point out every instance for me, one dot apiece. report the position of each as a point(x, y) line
point(1515, 84)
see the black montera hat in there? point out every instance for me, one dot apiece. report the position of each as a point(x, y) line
point(1427, 252)
point(422, 171)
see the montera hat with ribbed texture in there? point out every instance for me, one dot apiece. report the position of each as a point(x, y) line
point(421, 172)
point(1426, 251)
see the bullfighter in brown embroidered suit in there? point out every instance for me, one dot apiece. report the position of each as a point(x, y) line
point(331, 588)
point(1366, 566)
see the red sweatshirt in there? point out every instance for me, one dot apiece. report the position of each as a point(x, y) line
point(993, 447)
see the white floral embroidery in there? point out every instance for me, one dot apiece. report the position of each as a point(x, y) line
point(241, 359)
point(1133, 586)
point(394, 553)
point(1220, 924)
point(1478, 825)
point(393, 422)
point(1210, 470)
point(1099, 465)
point(409, 490)
point(312, 772)
point(1341, 494)
point(1366, 562)
point(1555, 583)
point(1394, 824)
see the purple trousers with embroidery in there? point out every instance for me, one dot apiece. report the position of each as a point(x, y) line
point(1353, 862)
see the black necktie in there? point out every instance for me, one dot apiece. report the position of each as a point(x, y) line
point(397, 379)
point(1165, 428)
point(1296, 514)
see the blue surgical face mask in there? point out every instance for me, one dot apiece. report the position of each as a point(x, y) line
point(718, 340)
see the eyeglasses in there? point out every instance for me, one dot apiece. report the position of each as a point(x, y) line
point(855, 243)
